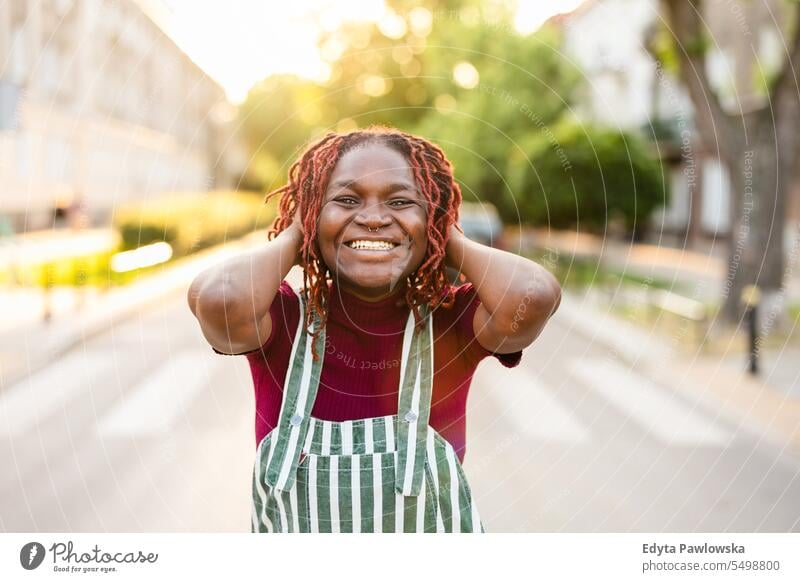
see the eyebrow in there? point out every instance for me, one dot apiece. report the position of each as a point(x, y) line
point(390, 189)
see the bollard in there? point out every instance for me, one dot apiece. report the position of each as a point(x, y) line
point(49, 272)
point(80, 275)
point(751, 296)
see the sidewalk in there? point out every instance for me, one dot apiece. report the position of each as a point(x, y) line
point(27, 343)
point(764, 404)
point(702, 274)
point(771, 399)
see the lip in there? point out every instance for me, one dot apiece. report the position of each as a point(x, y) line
point(370, 252)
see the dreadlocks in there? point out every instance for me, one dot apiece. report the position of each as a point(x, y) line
point(308, 181)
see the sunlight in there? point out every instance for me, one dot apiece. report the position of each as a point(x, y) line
point(240, 42)
point(531, 14)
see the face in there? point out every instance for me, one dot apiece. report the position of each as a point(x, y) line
point(372, 187)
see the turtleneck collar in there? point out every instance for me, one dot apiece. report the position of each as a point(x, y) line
point(349, 309)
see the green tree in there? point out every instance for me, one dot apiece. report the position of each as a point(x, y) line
point(584, 177)
point(458, 73)
point(467, 81)
point(276, 119)
point(524, 87)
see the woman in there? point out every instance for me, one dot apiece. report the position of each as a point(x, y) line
point(374, 439)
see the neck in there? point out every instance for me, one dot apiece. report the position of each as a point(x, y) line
point(374, 297)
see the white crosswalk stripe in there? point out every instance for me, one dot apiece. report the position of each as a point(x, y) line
point(45, 392)
point(154, 405)
point(529, 405)
point(659, 413)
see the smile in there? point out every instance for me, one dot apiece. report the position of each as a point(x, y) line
point(371, 245)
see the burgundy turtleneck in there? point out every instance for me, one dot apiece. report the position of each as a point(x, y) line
point(361, 371)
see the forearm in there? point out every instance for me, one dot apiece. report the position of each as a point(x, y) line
point(504, 281)
point(244, 286)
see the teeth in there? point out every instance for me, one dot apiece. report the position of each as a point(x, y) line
point(370, 245)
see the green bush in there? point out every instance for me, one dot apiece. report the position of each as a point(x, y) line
point(81, 270)
point(192, 221)
point(584, 177)
point(188, 222)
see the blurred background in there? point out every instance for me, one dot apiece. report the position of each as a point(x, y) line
point(644, 151)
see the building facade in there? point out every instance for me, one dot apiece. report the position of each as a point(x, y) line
point(627, 89)
point(98, 106)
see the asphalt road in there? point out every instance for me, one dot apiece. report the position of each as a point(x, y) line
point(144, 428)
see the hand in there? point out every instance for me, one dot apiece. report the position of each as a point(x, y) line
point(453, 250)
point(295, 230)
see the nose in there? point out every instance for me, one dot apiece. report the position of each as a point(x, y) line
point(373, 216)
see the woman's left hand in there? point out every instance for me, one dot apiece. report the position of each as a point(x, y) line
point(452, 251)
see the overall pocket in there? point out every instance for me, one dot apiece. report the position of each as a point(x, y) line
point(356, 493)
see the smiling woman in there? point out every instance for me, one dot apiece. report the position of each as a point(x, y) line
point(373, 228)
point(372, 185)
point(371, 217)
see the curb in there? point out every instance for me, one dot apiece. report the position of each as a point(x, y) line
point(747, 403)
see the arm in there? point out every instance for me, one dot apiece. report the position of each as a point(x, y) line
point(517, 295)
point(231, 300)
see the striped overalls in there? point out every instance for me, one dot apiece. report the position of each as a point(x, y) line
point(383, 474)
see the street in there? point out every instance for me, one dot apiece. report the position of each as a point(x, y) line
point(144, 428)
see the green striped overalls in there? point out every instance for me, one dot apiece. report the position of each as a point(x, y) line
point(383, 474)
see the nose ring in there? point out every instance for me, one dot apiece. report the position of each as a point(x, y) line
point(370, 229)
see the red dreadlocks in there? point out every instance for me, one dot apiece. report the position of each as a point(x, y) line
point(308, 181)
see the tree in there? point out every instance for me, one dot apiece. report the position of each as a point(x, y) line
point(458, 73)
point(403, 72)
point(759, 148)
point(523, 88)
point(275, 121)
point(584, 177)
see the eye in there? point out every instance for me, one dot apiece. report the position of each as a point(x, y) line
point(400, 202)
point(346, 199)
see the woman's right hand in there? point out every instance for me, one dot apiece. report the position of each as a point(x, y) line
point(297, 230)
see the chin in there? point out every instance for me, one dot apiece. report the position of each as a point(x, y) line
point(377, 282)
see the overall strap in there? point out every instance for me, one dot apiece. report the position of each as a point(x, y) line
point(299, 393)
point(414, 404)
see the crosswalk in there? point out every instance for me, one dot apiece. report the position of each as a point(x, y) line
point(661, 415)
point(529, 406)
point(157, 403)
point(152, 406)
point(46, 392)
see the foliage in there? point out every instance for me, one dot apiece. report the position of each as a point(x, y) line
point(456, 72)
point(187, 221)
point(82, 270)
point(584, 272)
point(276, 119)
point(192, 221)
point(524, 87)
point(583, 177)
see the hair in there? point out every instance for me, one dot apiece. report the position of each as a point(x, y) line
point(306, 187)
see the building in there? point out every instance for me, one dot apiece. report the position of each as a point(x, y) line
point(98, 106)
point(625, 88)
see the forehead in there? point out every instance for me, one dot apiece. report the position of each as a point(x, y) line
point(373, 164)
